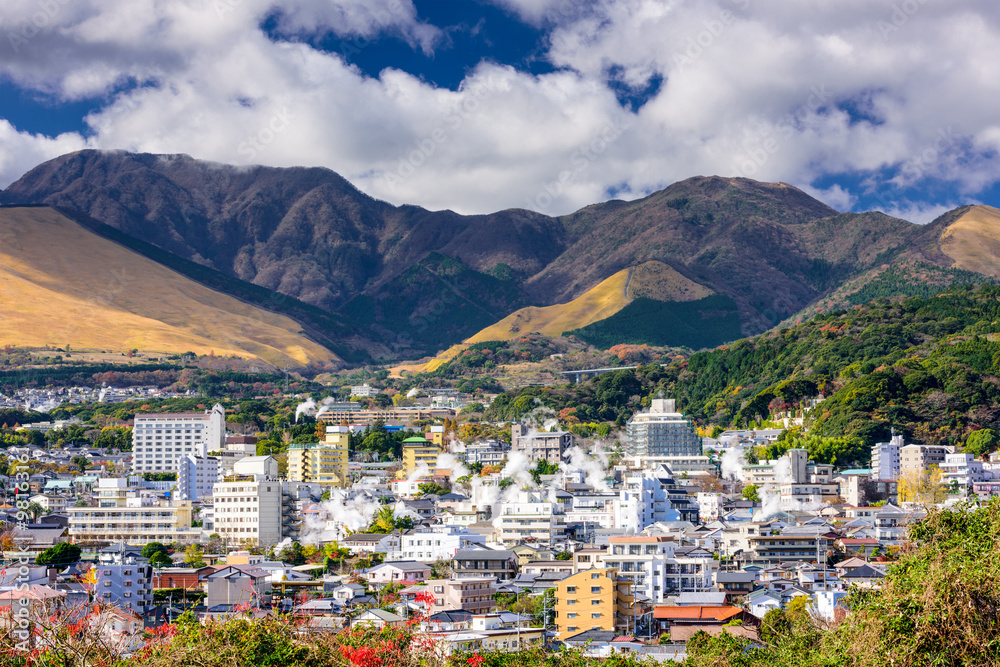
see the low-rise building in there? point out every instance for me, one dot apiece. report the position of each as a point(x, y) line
point(436, 543)
point(540, 445)
point(473, 594)
point(127, 514)
point(533, 517)
point(500, 564)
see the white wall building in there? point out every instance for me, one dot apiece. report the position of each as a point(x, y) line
point(254, 504)
point(885, 458)
point(196, 475)
point(658, 567)
point(643, 502)
point(708, 506)
point(964, 469)
point(436, 543)
point(532, 518)
point(160, 441)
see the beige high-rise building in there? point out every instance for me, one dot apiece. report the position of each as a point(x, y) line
point(321, 462)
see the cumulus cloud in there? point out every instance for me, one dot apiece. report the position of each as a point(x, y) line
point(900, 94)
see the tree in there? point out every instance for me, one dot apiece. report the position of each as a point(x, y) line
point(428, 488)
point(750, 493)
point(61, 554)
point(564, 555)
point(982, 442)
point(152, 548)
point(81, 462)
point(386, 521)
point(921, 486)
point(35, 510)
point(161, 559)
point(472, 408)
point(293, 554)
point(194, 556)
point(543, 467)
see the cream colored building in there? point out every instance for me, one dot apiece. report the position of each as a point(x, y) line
point(594, 600)
point(322, 463)
point(127, 515)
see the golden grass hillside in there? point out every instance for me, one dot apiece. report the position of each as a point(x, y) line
point(973, 240)
point(654, 280)
point(60, 284)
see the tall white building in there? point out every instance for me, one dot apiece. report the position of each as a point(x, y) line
point(643, 502)
point(254, 504)
point(885, 458)
point(661, 432)
point(196, 475)
point(161, 441)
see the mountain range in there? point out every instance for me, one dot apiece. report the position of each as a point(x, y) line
point(704, 261)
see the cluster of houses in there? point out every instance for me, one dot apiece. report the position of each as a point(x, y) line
point(43, 400)
point(613, 557)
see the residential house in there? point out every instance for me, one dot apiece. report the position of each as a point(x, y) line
point(188, 578)
point(398, 571)
point(500, 564)
point(378, 618)
point(666, 617)
point(236, 585)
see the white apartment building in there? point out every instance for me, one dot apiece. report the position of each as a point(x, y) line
point(196, 475)
point(363, 390)
point(160, 441)
point(661, 432)
point(643, 502)
point(126, 514)
point(436, 543)
point(254, 504)
point(885, 458)
point(965, 470)
point(125, 582)
point(708, 506)
point(532, 518)
point(657, 566)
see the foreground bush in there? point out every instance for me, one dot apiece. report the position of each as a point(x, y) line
point(939, 605)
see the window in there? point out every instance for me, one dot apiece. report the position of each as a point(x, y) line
point(571, 589)
point(571, 615)
point(570, 601)
point(595, 602)
point(595, 576)
point(595, 589)
point(596, 614)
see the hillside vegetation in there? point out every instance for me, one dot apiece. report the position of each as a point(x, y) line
point(61, 285)
point(927, 367)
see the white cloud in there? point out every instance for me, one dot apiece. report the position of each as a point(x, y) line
point(772, 91)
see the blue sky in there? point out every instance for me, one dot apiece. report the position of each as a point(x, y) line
point(479, 105)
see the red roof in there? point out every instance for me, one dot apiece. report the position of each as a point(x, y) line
point(696, 613)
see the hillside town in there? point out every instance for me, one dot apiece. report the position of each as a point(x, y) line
point(627, 545)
